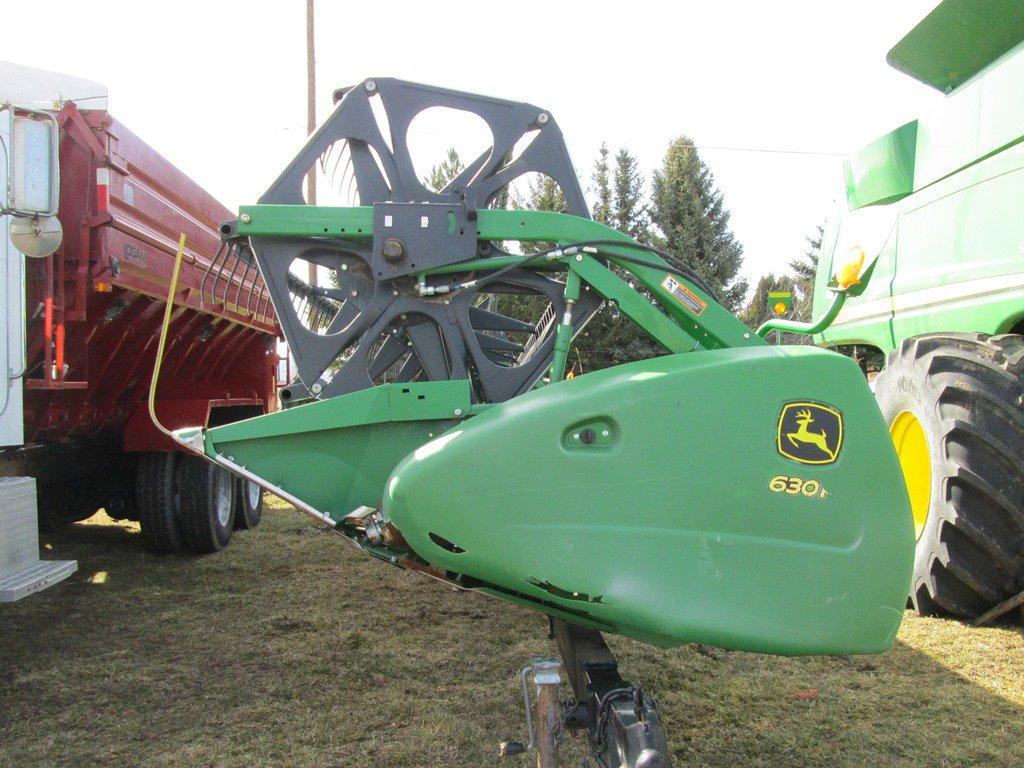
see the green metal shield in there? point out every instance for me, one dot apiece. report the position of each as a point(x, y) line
point(747, 498)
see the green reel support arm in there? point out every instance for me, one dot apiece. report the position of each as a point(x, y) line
point(691, 318)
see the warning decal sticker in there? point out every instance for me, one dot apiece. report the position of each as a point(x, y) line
point(686, 297)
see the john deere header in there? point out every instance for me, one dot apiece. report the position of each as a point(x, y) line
point(715, 494)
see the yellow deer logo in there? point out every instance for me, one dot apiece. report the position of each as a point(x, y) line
point(805, 435)
point(810, 433)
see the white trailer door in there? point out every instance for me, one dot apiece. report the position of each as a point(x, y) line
point(12, 323)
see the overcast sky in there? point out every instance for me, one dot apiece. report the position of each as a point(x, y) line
point(218, 87)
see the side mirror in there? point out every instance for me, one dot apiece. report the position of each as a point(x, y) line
point(33, 173)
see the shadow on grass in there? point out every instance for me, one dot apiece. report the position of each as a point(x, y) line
point(289, 648)
point(917, 705)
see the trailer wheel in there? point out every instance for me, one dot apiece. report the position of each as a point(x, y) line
point(248, 504)
point(207, 511)
point(156, 501)
point(954, 406)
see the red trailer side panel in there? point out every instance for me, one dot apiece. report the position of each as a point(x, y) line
point(95, 307)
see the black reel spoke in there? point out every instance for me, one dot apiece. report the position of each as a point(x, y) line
point(370, 324)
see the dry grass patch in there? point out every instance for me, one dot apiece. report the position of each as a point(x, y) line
point(291, 649)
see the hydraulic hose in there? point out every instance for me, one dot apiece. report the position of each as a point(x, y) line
point(811, 328)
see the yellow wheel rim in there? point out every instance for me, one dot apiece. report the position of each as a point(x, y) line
point(915, 461)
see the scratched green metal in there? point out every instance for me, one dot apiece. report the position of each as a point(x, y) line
point(667, 530)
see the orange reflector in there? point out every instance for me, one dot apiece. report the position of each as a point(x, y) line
point(849, 274)
point(103, 287)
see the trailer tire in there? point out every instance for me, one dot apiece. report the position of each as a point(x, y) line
point(954, 404)
point(207, 509)
point(248, 504)
point(156, 501)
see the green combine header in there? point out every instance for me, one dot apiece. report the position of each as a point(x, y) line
point(730, 492)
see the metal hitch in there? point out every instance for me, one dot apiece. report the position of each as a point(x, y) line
point(621, 722)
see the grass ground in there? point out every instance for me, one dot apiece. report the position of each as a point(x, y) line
point(290, 649)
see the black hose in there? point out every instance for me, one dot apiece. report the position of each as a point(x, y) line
point(674, 264)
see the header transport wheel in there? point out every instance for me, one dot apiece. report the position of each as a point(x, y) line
point(953, 403)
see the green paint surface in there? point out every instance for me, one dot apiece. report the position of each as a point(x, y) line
point(957, 40)
point(668, 530)
point(644, 499)
point(336, 454)
point(949, 247)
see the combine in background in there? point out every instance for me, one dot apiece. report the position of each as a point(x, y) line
point(939, 205)
point(91, 218)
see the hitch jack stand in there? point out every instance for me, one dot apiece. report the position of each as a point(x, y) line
point(622, 723)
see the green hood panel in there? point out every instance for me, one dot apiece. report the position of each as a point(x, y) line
point(957, 40)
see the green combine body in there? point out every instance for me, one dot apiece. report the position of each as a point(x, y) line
point(938, 205)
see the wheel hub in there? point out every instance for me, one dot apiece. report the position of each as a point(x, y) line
point(253, 492)
point(911, 445)
point(222, 496)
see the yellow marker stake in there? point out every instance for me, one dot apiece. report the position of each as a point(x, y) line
point(163, 339)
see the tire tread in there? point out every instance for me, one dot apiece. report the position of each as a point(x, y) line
point(971, 553)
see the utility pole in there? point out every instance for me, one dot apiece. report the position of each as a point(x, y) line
point(310, 114)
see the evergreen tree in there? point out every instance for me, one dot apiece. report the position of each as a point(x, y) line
point(444, 172)
point(542, 194)
point(611, 338)
point(630, 214)
point(602, 212)
point(806, 267)
point(757, 310)
point(690, 212)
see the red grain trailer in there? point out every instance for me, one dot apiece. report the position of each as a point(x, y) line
point(92, 314)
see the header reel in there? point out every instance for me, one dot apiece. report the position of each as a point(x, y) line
point(387, 324)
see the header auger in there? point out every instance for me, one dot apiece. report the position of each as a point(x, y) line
point(684, 498)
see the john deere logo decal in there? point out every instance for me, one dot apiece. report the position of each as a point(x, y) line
point(810, 433)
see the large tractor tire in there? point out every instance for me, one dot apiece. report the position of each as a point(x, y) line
point(207, 504)
point(157, 501)
point(953, 403)
point(248, 504)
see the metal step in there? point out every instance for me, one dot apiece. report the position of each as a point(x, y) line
point(32, 578)
point(21, 571)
